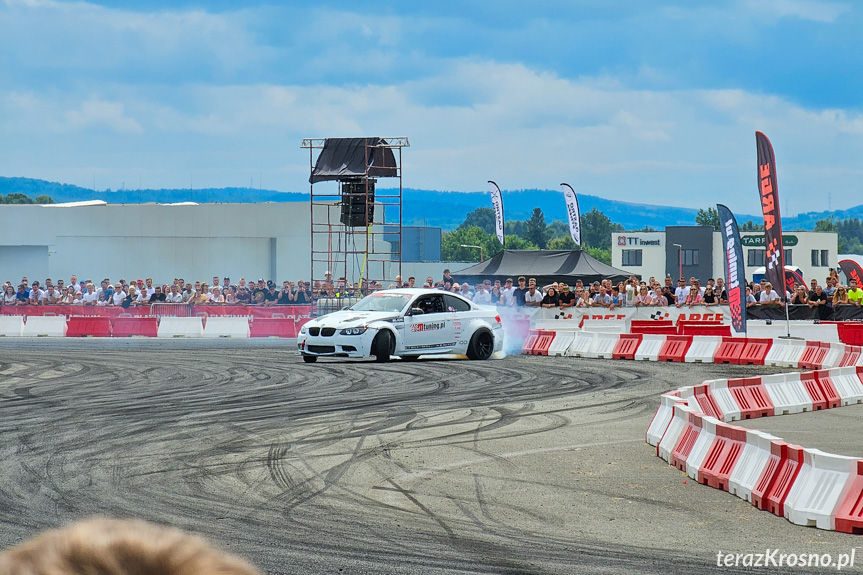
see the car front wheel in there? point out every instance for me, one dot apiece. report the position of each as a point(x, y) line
point(481, 345)
point(383, 346)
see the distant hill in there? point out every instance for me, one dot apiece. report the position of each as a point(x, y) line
point(421, 207)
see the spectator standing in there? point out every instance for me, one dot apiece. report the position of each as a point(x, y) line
point(566, 299)
point(10, 297)
point(681, 293)
point(508, 293)
point(286, 294)
point(855, 294)
point(174, 295)
point(601, 299)
point(230, 295)
point(643, 298)
point(482, 297)
point(659, 300)
point(694, 296)
point(617, 299)
point(750, 298)
point(496, 295)
point(91, 297)
point(769, 296)
point(709, 298)
point(119, 295)
point(550, 299)
point(272, 296)
point(532, 297)
point(799, 297)
point(158, 296)
point(23, 295)
point(840, 297)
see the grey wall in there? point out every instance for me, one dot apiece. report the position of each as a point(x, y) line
point(691, 238)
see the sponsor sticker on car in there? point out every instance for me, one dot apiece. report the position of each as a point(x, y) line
point(428, 326)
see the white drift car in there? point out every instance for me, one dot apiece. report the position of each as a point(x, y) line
point(407, 323)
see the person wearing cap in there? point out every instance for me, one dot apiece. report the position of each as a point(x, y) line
point(520, 291)
point(532, 297)
point(507, 293)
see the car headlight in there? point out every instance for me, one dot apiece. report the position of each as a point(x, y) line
point(304, 330)
point(353, 331)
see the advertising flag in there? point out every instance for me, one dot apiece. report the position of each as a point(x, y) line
point(735, 283)
point(774, 257)
point(573, 213)
point(852, 271)
point(497, 202)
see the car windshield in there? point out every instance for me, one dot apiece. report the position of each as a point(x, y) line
point(382, 302)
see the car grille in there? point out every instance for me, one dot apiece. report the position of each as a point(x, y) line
point(314, 331)
point(328, 331)
point(322, 348)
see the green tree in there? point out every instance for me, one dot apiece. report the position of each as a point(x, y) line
point(515, 227)
point(513, 242)
point(827, 225)
point(750, 226)
point(452, 242)
point(596, 230)
point(537, 230)
point(16, 198)
point(482, 218)
point(558, 229)
point(43, 199)
point(562, 243)
point(708, 217)
point(603, 255)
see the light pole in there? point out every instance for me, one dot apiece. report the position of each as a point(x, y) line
point(679, 259)
point(477, 247)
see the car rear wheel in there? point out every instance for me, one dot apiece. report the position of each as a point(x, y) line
point(383, 346)
point(481, 345)
point(310, 358)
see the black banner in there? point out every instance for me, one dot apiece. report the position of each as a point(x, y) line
point(774, 258)
point(852, 271)
point(804, 312)
point(734, 272)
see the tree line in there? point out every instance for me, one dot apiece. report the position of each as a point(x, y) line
point(16, 198)
point(478, 229)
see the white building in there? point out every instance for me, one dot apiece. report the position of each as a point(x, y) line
point(95, 240)
point(699, 251)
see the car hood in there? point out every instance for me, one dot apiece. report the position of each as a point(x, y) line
point(348, 318)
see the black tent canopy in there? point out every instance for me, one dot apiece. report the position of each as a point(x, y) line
point(345, 158)
point(546, 266)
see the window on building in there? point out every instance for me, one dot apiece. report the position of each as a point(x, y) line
point(788, 260)
point(690, 257)
point(820, 258)
point(631, 258)
point(755, 258)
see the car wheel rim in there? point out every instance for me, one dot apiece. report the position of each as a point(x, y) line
point(484, 346)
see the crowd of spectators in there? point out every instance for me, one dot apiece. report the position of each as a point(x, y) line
point(521, 292)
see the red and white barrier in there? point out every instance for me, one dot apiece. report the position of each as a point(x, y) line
point(674, 430)
point(787, 393)
point(822, 483)
point(662, 417)
point(751, 464)
point(561, 343)
point(702, 445)
point(580, 343)
point(724, 400)
point(847, 383)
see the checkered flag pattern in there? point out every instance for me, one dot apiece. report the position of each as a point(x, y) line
point(772, 255)
point(561, 315)
point(657, 315)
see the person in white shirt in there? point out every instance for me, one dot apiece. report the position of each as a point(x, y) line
point(769, 295)
point(481, 296)
point(101, 302)
point(78, 299)
point(681, 293)
point(174, 296)
point(119, 295)
point(532, 297)
point(91, 297)
point(507, 293)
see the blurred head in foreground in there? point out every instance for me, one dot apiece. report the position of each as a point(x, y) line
point(116, 547)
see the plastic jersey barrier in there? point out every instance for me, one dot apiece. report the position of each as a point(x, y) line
point(819, 400)
point(787, 393)
point(580, 344)
point(751, 464)
point(675, 348)
point(226, 327)
point(11, 325)
point(777, 352)
point(724, 400)
point(847, 384)
point(848, 517)
point(754, 351)
point(675, 428)
point(723, 455)
point(561, 343)
point(687, 440)
point(649, 348)
point(775, 470)
point(703, 443)
point(750, 395)
point(786, 475)
point(702, 396)
point(135, 326)
point(822, 376)
point(543, 342)
point(851, 356)
point(530, 342)
point(793, 353)
point(626, 346)
point(822, 483)
point(662, 417)
point(88, 326)
point(703, 349)
point(274, 327)
point(602, 346)
point(813, 356)
point(729, 350)
point(181, 327)
point(835, 353)
point(45, 326)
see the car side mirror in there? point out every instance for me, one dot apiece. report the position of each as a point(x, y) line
point(416, 311)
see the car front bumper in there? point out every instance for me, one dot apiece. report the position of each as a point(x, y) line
point(336, 345)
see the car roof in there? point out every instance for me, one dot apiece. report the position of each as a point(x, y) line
point(418, 291)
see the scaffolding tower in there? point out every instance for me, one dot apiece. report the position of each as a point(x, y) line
point(356, 231)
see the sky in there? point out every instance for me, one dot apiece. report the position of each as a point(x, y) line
point(651, 102)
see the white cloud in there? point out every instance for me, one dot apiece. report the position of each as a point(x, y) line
point(101, 114)
point(802, 9)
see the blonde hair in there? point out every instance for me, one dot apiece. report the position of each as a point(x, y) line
point(119, 547)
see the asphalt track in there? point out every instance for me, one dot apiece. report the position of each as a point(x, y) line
point(519, 465)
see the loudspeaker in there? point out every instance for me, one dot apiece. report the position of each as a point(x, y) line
point(356, 211)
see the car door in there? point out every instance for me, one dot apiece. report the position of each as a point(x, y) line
point(432, 330)
point(460, 314)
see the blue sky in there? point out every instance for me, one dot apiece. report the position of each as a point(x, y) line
point(653, 102)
